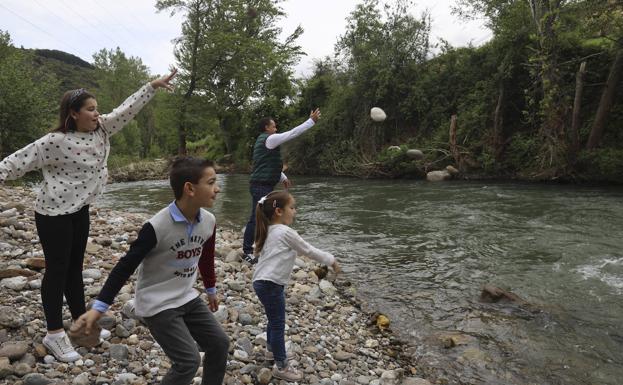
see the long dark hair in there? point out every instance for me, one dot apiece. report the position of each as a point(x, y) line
point(264, 214)
point(71, 100)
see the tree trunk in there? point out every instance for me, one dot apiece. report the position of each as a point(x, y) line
point(607, 97)
point(545, 15)
point(575, 121)
point(453, 147)
point(181, 131)
point(223, 124)
point(497, 124)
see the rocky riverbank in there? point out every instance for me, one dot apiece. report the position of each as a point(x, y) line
point(333, 340)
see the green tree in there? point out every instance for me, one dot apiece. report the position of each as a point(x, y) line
point(380, 52)
point(229, 49)
point(118, 77)
point(27, 98)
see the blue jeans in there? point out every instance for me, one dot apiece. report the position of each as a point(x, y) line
point(257, 192)
point(272, 296)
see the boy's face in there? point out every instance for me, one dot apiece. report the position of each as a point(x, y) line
point(204, 192)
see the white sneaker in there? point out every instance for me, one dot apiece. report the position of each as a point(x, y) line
point(61, 348)
point(105, 334)
point(128, 310)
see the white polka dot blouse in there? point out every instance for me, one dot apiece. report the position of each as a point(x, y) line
point(73, 164)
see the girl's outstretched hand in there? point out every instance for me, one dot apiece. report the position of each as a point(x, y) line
point(165, 81)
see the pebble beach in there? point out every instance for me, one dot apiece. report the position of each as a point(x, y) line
point(331, 335)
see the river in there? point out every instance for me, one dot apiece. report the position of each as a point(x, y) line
point(421, 252)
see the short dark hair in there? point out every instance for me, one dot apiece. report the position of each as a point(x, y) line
point(262, 123)
point(186, 169)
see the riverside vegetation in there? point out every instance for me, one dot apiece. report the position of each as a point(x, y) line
point(540, 100)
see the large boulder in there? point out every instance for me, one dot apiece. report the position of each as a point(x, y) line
point(438, 176)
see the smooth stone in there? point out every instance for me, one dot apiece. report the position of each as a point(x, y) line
point(264, 376)
point(14, 350)
point(36, 379)
point(437, 176)
point(415, 154)
point(22, 369)
point(6, 369)
point(415, 381)
point(15, 283)
point(81, 379)
point(92, 273)
point(119, 352)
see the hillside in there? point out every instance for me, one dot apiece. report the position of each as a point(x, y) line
point(71, 71)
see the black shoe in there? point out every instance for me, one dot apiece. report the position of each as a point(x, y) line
point(250, 258)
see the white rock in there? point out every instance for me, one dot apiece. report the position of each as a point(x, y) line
point(437, 176)
point(377, 114)
point(415, 154)
point(241, 355)
point(15, 283)
point(81, 379)
point(127, 377)
point(221, 314)
point(92, 273)
point(48, 359)
point(327, 287)
point(8, 213)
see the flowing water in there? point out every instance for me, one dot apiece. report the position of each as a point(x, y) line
point(421, 252)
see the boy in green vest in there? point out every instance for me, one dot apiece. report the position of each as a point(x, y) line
point(267, 169)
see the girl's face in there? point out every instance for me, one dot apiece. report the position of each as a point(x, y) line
point(86, 118)
point(288, 212)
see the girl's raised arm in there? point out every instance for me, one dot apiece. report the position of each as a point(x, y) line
point(120, 116)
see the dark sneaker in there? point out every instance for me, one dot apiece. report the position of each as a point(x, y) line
point(288, 373)
point(250, 258)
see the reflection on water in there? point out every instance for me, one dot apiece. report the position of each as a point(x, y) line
point(421, 252)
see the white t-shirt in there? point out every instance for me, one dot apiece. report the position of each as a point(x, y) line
point(280, 249)
point(73, 164)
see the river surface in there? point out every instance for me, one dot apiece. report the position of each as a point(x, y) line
point(421, 252)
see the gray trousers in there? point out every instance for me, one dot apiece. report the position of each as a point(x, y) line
point(176, 330)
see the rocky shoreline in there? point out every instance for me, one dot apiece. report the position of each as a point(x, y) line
point(334, 340)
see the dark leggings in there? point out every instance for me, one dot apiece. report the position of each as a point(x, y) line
point(64, 240)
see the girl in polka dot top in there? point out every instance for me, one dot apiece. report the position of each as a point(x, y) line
point(73, 160)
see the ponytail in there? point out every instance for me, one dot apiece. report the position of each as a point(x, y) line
point(264, 212)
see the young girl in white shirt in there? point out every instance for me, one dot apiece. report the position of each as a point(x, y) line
point(72, 159)
point(277, 246)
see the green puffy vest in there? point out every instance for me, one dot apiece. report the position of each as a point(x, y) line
point(267, 163)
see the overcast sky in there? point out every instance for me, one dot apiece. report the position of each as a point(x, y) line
point(84, 27)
